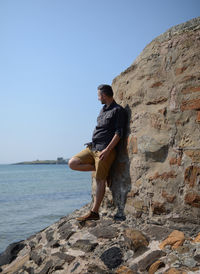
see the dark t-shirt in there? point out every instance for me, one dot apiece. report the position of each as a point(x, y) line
point(110, 121)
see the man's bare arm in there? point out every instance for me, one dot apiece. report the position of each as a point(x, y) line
point(104, 153)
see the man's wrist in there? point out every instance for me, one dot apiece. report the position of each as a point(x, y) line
point(108, 149)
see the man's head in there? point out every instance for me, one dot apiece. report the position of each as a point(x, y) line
point(105, 94)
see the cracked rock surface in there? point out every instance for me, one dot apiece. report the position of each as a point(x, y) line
point(136, 246)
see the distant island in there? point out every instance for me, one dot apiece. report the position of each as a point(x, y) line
point(59, 161)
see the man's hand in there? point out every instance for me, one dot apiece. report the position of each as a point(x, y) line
point(104, 154)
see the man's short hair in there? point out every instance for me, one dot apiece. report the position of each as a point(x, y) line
point(106, 89)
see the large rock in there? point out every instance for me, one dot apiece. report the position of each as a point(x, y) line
point(11, 253)
point(112, 257)
point(160, 159)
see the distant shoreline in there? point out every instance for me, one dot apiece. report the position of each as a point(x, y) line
point(59, 161)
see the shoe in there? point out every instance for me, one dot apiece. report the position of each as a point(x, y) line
point(90, 216)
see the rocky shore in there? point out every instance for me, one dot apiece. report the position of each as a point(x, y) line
point(109, 245)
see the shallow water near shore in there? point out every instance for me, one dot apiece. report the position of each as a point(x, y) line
point(33, 197)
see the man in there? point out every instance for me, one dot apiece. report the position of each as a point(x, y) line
point(100, 153)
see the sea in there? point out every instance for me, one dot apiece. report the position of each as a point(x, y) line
point(33, 197)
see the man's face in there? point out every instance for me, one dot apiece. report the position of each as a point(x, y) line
point(101, 97)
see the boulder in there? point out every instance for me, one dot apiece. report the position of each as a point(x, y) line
point(160, 92)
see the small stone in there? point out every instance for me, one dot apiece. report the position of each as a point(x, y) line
point(163, 111)
point(32, 244)
point(75, 252)
point(157, 84)
point(134, 267)
point(175, 271)
point(180, 70)
point(54, 244)
point(67, 258)
point(157, 232)
point(112, 257)
point(197, 258)
point(90, 223)
point(75, 267)
point(84, 245)
point(164, 176)
point(197, 239)
point(194, 154)
point(197, 254)
point(183, 249)
point(159, 155)
point(107, 222)
point(39, 237)
point(175, 239)
point(151, 258)
point(155, 266)
point(47, 267)
point(132, 145)
point(190, 104)
point(138, 214)
point(189, 262)
point(49, 235)
point(57, 265)
point(158, 208)
point(124, 270)
point(95, 269)
point(61, 224)
point(137, 239)
point(29, 270)
point(190, 90)
point(169, 198)
point(104, 232)
point(36, 257)
point(176, 263)
point(193, 199)
point(191, 175)
point(172, 258)
point(65, 231)
point(128, 255)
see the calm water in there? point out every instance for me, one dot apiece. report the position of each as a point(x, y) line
point(35, 196)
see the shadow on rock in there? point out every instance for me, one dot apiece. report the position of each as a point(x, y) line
point(120, 174)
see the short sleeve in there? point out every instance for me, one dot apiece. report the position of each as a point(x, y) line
point(120, 122)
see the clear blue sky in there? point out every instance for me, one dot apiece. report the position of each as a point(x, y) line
point(54, 54)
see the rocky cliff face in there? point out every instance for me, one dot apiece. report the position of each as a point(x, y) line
point(158, 169)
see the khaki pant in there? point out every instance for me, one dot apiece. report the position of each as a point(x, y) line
point(102, 167)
